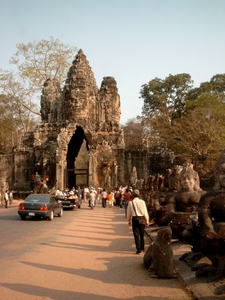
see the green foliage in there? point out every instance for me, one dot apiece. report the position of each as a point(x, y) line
point(215, 86)
point(201, 130)
point(195, 119)
point(166, 97)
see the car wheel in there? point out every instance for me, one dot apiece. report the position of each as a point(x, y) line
point(60, 213)
point(51, 216)
point(23, 217)
point(79, 206)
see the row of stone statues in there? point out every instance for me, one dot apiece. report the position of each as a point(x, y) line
point(194, 215)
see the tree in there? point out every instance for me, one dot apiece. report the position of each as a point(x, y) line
point(16, 113)
point(38, 61)
point(15, 90)
point(215, 86)
point(133, 133)
point(190, 120)
point(35, 62)
point(15, 120)
point(139, 136)
point(199, 132)
point(166, 98)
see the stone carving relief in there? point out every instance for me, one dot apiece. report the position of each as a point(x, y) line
point(133, 177)
point(80, 87)
point(50, 94)
point(107, 167)
point(63, 139)
point(109, 105)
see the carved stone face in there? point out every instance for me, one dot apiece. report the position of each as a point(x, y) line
point(187, 182)
point(221, 175)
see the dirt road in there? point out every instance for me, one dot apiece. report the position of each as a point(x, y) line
point(91, 257)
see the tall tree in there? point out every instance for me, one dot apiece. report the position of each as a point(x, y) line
point(199, 132)
point(139, 136)
point(133, 133)
point(14, 122)
point(166, 98)
point(35, 63)
point(38, 61)
point(215, 86)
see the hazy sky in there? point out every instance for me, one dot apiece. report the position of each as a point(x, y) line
point(132, 40)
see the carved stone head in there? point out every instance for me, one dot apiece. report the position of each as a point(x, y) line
point(189, 179)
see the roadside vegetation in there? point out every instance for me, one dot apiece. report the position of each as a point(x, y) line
point(185, 119)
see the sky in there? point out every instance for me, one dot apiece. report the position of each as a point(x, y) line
point(133, 41)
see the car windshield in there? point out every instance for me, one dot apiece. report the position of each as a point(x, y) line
point(37, 198)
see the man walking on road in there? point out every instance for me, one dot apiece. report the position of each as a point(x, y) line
point(137, 207)
point(6, 197)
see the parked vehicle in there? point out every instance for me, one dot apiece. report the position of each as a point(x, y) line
point(40, 206)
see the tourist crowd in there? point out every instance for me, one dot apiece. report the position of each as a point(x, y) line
point(119, 197)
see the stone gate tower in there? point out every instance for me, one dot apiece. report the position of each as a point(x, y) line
point(79, 113)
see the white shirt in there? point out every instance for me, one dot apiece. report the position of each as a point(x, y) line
point(6, 196)
point(140, 207)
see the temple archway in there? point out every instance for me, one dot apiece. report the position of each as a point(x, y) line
point(77, 114)
point(74, 167)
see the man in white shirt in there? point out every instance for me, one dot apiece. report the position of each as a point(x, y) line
point(137, 207)
point(6, 197)
point(86, 194)
point(104, 198)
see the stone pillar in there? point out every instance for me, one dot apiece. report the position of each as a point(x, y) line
point(23, 168)
point(60, 170)
point(91, 170)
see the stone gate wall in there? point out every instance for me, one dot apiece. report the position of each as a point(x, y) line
point(80, 104)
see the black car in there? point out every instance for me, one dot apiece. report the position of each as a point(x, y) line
point(40, 206)
point(69, 202)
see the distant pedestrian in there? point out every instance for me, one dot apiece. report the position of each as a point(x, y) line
point(79, 192)
point(110, 199)
point(10, 197)
point(99, 194)
point(127, 196)
point(92, 198)
point(104, 197)
point(86, 194)
point(117, 196)
point(6, 198)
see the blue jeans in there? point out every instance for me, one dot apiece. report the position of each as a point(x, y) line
point(125, 207)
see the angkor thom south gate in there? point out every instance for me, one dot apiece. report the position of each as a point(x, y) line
point(77, 115)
